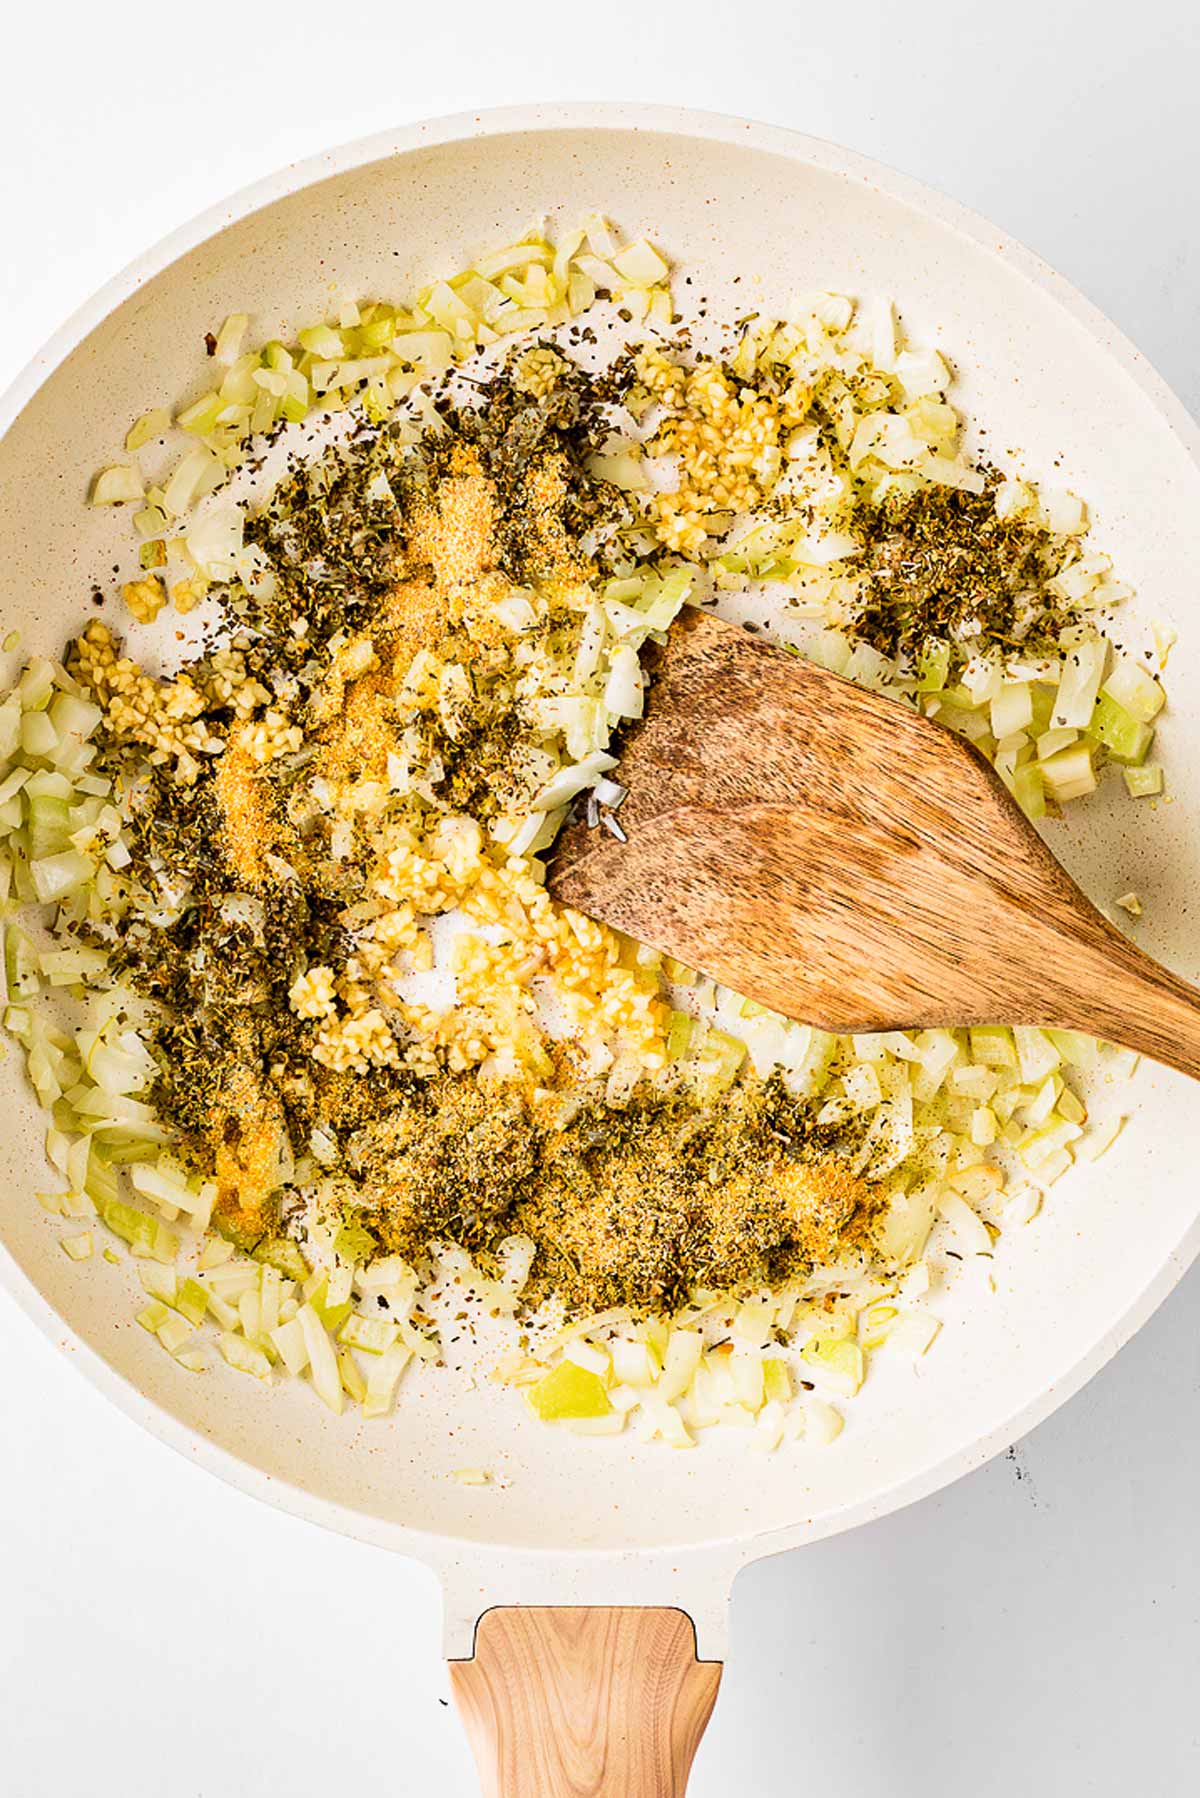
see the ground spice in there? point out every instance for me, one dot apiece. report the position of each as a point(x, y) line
point(636, 1206)
point(245, 828)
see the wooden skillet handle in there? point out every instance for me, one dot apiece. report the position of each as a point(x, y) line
point(564, 1702)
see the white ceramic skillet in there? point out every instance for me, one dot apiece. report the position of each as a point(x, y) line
point(754, 215)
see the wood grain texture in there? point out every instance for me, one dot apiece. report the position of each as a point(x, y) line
point(835, 855)
point(577, 1702)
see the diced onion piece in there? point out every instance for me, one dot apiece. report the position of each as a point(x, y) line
point(1051, 741)
point(768, 1428)
point(887, 438)
point(160, 1282)
point(291, 1345)
point(1022, 1206)
point(353, 1379)
point(1083, 671)
point(641, 264)
point(117, 486)
point(200, 418)
point(198, 473)
point(215, 540)
point(56, 875)
point(1077, 1050)
point(191, 1301)
point(1135, 689)
point(969, 1229)
point(1054, 1166)
point(1126, 738)
point(983, 1126)
point(1037, 1145)
point(161, 1183)
point(570, 781)
point(610, 793)
point(838, 1360)
point(569, 1391)
point(633, 1364)
point(526, 834)
point(1099, 1139)
point(822, 1424)
point(173, 1333)
point(322, 1358)
point(382, 1379)
point(1063, 513)
point(1145, 782)
point(684, 1349)
point(373, 1335)
point(1037, 1055)
point(1012, 708)
point(591, 643)
point(920, 372)
point(624, 691)
point(38, 735)
point(244, 1356)
point(913, 1332)
point(230, 337)
point(945, 471)
point(588, 1356)
point(621, 469)
point(1069, 774)
point(658, 1419)
point(514, 612)
point(145, 429)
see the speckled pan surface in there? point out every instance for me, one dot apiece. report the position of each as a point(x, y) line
point(610, 1520)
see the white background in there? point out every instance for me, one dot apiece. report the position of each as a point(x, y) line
point(1036, 1629)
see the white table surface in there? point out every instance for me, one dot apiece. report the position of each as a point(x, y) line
point(1034, 1629)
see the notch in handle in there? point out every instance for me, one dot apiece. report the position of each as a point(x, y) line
point(575, 1702)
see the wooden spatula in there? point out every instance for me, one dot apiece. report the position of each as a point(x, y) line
point(839, 858)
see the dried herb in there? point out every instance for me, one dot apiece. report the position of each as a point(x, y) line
point(939, 565)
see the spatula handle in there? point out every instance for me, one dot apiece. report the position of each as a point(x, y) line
point(584, 1702)
point(1109, 988)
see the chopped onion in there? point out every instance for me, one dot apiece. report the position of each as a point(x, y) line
point(570, 781)
point(118, 486)
point(970, 1232)
point(54, 876)
point(326, 1377)
point(244, 1356)
point(1135, 690)
point(383, 1378)
point(1145, 782)
point(1069, 774)
point(1083, 671)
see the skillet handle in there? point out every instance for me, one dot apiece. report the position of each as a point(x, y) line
point(575, 1702)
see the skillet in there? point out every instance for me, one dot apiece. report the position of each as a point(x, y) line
point(571, 1694)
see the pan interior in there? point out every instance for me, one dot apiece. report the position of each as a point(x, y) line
point(756, 218)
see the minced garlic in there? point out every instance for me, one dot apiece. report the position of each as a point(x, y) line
point(187, 594)
point(145, 598)
point(312, 994)
point(357, 1043)
point(271, 736)
point(730, 443)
